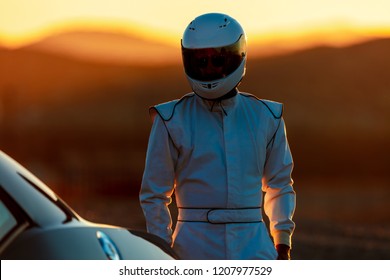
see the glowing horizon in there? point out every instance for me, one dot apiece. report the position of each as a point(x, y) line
point(300, 22)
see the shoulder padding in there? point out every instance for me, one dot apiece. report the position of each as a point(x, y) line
point(275, 108)
point(167, 109)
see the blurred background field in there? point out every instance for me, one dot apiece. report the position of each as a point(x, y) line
point(81, 124)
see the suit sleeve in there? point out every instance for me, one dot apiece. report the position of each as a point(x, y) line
point(158, 181)
point(279, 199)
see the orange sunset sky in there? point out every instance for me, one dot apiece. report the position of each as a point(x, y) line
point(281, 23)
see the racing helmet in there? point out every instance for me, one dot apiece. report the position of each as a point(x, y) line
point(214, 54)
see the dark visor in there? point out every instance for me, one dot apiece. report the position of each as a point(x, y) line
point(208, 64)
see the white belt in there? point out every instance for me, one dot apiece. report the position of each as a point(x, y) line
point(220, 215)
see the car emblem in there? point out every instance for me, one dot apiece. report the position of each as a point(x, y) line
point(108, 246)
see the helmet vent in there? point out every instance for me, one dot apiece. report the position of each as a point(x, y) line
point(191, 26)
point(209, 85)
point(225, 24)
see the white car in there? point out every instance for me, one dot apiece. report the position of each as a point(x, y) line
point(36, 224)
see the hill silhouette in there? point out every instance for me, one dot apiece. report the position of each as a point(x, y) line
point(107, 47)
point(80, 122)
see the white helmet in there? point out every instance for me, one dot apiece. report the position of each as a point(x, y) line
point(214, 54)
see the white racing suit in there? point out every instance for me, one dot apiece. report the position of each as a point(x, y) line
point(219, 158)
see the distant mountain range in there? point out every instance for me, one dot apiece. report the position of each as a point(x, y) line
point(107, 47)
point(132, 48)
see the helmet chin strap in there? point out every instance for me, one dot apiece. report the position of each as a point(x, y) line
point(228, 95)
